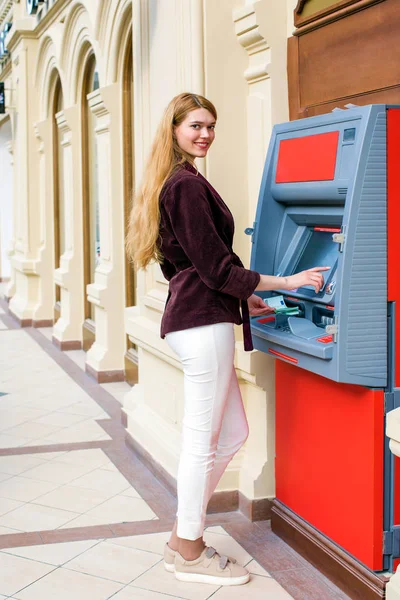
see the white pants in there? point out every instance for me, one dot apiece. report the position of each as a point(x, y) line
point(214, 423)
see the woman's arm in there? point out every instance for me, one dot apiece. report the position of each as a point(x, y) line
point(192, 221)
point(312, 277)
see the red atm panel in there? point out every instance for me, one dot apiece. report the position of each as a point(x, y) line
point(311, 158)
point(329, 458)
point(393, 176)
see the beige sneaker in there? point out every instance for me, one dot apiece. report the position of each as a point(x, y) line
point(212, 568)
point(169, 559)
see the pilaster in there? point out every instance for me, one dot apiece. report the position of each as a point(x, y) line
point(67, 331)
point(25, 256)
point(106, 292)
point(9, 249)
point(260, 28)
point(43, 311)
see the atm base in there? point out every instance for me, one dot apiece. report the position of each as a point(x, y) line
point(356, 580)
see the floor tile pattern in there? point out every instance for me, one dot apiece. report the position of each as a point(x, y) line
point(81, 518)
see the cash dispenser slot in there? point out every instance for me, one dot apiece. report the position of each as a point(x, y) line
point(296, 333)
point(292, 302)
point(323, 316)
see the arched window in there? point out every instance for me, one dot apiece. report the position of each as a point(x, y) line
point(91, 232)
point(130, 279)
point(59, 205)
point(128, 165)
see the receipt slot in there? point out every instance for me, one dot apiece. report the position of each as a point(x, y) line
point(329, 197)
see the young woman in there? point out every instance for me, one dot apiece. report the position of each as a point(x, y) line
point(179, 220)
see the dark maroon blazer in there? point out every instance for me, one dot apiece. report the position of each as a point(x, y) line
point(206, 278)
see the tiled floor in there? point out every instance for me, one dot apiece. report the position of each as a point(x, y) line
point(81, 518)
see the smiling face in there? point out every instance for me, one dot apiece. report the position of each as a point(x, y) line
point(196, 133)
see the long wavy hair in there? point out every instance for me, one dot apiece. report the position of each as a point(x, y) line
point(142, 240)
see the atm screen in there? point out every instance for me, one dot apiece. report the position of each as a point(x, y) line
point(319, 251)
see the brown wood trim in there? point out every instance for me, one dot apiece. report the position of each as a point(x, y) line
point(299, 7)
point(105, 376)
point(293, 69)
point(300, 20)
point(345, 571)
point(255, 510)
point(67, 344)
point(42, 323)
point(374, 96)
point(21, 322)
point(330, 14)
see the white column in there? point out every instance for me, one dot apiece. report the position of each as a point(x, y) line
point(24, 258)
point(107, 290)
point(67, 332)
point(10, 288)
point(43, 312)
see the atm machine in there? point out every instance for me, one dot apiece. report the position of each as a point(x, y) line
point(330, 196)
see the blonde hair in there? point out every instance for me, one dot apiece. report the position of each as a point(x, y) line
point(142, 240)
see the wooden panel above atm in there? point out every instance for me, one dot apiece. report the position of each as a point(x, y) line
point(348, 52)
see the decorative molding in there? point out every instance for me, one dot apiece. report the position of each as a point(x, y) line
point(6, 7)
point(346, 572)
point(328, 15)
point(253, 41)
point(21, 29)
point(39, 138)
point(300, 6)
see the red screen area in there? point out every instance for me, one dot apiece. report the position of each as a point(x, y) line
point(310, 158)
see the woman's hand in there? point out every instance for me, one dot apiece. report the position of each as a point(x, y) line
point(312, 277)
point(257, 306)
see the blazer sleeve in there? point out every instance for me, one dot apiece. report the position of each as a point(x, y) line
point(188, 208)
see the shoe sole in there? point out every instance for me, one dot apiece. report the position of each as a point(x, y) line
point(168, 567)
point(212, 579)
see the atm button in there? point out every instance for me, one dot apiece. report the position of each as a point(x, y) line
point(326, 339)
